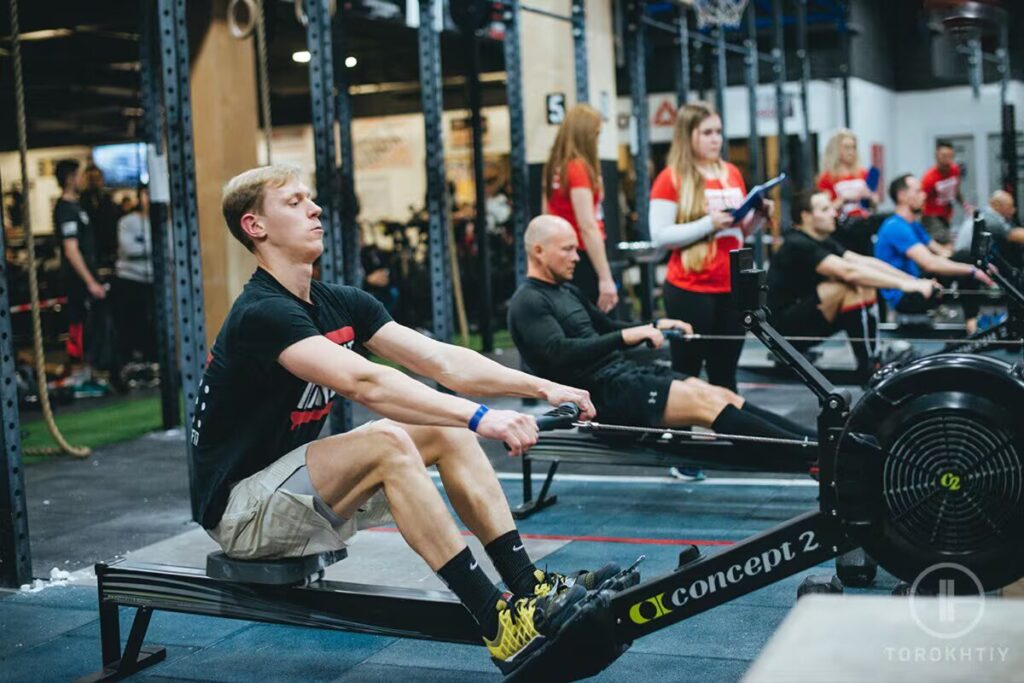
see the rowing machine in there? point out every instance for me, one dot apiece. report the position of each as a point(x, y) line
point(925, 472)
point(290, 591)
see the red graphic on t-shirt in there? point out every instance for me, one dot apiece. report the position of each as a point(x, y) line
point(315, 402)
point(342, 335)
point(301, 417)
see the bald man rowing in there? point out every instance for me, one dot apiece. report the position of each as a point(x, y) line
point(565, 338)
point(999, 216)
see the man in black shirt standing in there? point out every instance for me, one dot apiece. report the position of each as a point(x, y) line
point(817, 287)
point(565, 338)
point(265, 487)
point(78, 247)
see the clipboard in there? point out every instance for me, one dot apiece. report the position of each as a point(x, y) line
point(755, 197)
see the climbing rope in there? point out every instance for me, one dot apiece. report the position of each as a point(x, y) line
point(33, 282)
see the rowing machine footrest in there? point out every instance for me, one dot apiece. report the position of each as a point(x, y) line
point(583, 647)
point(284, 572)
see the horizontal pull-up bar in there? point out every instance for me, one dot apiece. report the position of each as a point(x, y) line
point(545, 13)
point(700, 38)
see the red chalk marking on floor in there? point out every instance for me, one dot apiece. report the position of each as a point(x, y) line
point(598, 539)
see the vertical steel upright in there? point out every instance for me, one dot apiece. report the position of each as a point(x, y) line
point(579, 50)
point(337, 264)
point(779, 68)
point(485, 313)
point(321, 90)
point(343, 109)
point(636, 51)
point(15, 551)
point(844, 62)
point(429, 42)
point(721, 82)
point(750, 60)
point(188, 268)
point(802, 54)
point(163, 276)
point(520, 170)
point(683, 67)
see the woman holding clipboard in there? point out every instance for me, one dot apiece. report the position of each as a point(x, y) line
point(690, 214)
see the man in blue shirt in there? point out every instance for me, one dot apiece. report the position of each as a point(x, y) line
point(905, 244)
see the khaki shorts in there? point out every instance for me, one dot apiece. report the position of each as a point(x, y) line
point(262, 520)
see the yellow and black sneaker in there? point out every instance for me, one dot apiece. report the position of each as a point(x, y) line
point(554, 583)
point(526, 624)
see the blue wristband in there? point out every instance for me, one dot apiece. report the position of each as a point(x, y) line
point(474, 421)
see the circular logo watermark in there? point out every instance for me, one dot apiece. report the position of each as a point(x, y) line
point(954, 604)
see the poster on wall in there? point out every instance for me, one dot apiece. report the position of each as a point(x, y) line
point(381, 145)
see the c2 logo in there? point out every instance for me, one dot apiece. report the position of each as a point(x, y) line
point(950, 481)
point(657, 606)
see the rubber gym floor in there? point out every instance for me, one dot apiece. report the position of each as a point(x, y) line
point(131, 499)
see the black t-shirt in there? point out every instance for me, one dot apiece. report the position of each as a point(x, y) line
point(792, 276)
point(70, 221)
point(249, 410)
point(103, 215)
point(561, 335)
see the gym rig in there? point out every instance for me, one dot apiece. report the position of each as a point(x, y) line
point(926, 469)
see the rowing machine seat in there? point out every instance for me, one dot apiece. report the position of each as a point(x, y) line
point(283, 572)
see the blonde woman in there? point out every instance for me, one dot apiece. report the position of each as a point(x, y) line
point(844, 178)
point(689, 214)
point(573, 190)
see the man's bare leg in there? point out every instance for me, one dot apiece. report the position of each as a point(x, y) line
point(477, 497)
point(347, 469)
point(694, 402)
point(467, 476)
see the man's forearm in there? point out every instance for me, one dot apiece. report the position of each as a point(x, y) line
point(74, 257)
point(395, 395)
point(881, 266)
point(869, 277)
point(591, 237)
point(469, 372)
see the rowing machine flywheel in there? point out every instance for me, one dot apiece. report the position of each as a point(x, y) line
point(930, 469)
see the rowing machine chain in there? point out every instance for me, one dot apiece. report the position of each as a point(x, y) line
point(806, 442)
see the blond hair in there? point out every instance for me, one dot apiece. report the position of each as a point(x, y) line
point(245, 192)
point(693, 204)
point(830, 159)
point(576, 139)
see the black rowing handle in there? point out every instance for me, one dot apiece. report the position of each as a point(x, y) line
point(671, 335)
point(561, 417)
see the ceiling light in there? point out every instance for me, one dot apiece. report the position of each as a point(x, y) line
point(302, 56)
point(351, 61)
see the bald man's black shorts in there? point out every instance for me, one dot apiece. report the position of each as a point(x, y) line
point(631, 393)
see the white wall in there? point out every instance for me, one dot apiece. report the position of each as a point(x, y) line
point(921, 117)
point(390, 157)
point(43, 189)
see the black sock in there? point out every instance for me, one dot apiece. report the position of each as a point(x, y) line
point(467, 580)
point(861, 324)
point(510, 558)
point(779, 421)
point(734, 421)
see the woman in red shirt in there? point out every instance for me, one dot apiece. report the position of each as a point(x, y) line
point(573, 190)
point(844, 178)
point(689, 214)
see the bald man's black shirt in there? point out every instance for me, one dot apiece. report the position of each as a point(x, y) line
point(565, 338)
point(560, 334)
